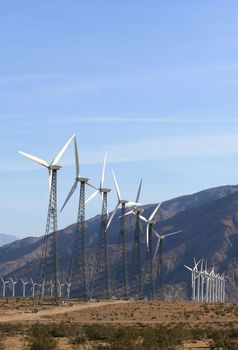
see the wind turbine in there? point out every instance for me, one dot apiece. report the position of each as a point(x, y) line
point(103, 234)
point(68, 285)
point(223, 288)
point(212, 276)
point(13, 286)
point(123, 203)
point(159, 247)
point(51, 288)
point(61, 285)
point(33, 286)
point(136, 273)
point(4, 283)
point(149, 244)
point(49, 263)
point(24, 284)
point(203, 276)
point(194, 272)
point(78, 260)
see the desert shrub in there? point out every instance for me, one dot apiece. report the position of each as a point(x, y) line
point(9, 328)
point(80, 339)
point(97, 332)
point(43, 343)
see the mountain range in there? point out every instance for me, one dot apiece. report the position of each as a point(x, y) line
point(5, 239)
point(209, 224)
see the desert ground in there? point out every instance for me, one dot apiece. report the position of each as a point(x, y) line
point(20, 318)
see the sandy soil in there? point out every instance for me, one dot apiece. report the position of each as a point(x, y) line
point(119, 312)
point(123, 312)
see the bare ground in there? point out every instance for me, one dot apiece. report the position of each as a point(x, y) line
point(119, 312)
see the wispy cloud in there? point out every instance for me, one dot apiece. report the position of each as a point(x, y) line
point(169, 120)
point(155, 149)
point(52, 120)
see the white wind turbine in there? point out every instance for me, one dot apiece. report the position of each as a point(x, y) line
point(13, 286)
point(24, 284)
point(68, 285)
point(159, 247)
point(101, 188)
point(194, 271)
point(53, 166)
point(51, 288)
point(33, 287)
point(103, 234)
point(123, 203)
point(78, 259)
point(136, 211)
point(149, 244)
point(4, 283)
point(120, 201)
point(78, 179)
point(61, 285)
point(50, 254)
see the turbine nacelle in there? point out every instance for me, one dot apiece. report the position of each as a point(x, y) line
point(105, 190)
point(83, 179)
point(55, 167)
point(122, 202)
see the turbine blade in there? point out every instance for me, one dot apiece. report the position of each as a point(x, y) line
point(138, 193)
point(112, 216)
point(173, 233)
point(157, 234)
point(35, 159)
point(76, 154)
point(141, 229)
point(143, 218)
point(92, 196)
point(129, 204)
point(61, 152)
point(88, 184)
point(189, 268)
point(103, 171)
point(128, 213)
point(154, 212)
point(156, 249)
point(116, 186)
point(70, 194)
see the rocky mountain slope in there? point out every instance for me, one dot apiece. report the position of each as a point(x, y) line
point(209, 220)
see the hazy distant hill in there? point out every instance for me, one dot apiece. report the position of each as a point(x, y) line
point(5, 239)
point(209, 220)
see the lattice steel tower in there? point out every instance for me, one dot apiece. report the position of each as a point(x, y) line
point(135, 279)
point(122, 239)
point(49, 268)
point(101, 261)
point(149, 245)
point(77, 274)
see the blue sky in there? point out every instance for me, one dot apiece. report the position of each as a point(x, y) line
point(155, 83)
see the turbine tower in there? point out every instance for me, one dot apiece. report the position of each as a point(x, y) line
point(77, 270)
point(4, 283)
point(149, 245)
point(136, 271)
point(123, 203)
point(33, 287)
point(159, 247)
point(13, 286)
point(103, 234)
point(194, 272)
point(49, 264)
point(24, 284)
